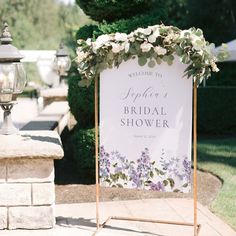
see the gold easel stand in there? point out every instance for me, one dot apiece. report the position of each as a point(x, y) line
point(194, 224)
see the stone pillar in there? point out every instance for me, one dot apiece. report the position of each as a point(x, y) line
point(27, 195)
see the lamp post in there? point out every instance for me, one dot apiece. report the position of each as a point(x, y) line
point(62, 62)
point(12, 79)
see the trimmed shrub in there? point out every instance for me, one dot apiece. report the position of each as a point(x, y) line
point(129, 25)
point(217, 111)
point(111, 11)
point(81, 102)
point(86, 32)
point(83, 153)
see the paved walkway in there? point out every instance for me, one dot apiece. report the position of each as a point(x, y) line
point(79, 219)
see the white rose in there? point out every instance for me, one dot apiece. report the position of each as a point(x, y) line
point(103, 39)
point(183, 32)
point(160, 50)
point(115, 48)
point(140, 30)
point(147, 31)
point(89, 42)
point(81, 55)
point(169, 38)
point(122, 46)
point(152, 38)
point(156, 33)
point(120, 37)
point(80, 41)
point(214, 67)
point(146, 47)
point(95, 46)
point(127, 47)
point(132, 39)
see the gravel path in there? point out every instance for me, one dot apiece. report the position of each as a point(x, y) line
point(208, 187)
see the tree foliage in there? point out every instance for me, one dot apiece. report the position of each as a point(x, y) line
point(39, 24)
point(217, 18)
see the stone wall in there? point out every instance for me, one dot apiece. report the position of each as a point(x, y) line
point(27, 195)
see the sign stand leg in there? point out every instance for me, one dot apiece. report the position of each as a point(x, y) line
point(195, 156)
point(96, 150)
point(195, 225)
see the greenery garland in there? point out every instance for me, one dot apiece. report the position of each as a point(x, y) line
point(152, 45)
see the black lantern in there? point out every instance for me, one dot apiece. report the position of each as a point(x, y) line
point(62, 62)
point(12, 79)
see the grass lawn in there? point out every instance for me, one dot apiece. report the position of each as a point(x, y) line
point(218, 156)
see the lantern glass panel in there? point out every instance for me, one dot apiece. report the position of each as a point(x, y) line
point(62, 64)
point(7, 81)
point(12, 80)
point(20, 78)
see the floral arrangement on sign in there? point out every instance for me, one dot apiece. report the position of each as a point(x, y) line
point(171, 174)
point(152, 45)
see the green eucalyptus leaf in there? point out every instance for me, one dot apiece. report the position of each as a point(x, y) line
point(198, 45)
point(176, 190)
point(170, 62)
point(119, 185)
point(84, 83)
point(199, 32)
point(185, 59)
point(158, 60)
point(165, 58)
point(151, 174)
point(172, 182)
point(142, 61)
point(151, 63)
point(165, 182)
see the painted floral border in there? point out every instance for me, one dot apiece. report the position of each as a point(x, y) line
point(173, 174)
point(152, 45)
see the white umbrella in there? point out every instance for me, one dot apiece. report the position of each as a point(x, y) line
point(231, 48)
point(44, 61)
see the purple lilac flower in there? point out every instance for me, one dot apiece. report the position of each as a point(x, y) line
point(172, 166)
point(134, 177)
point(122, 164)
point(142, 173)
point(157, 187)
point(104, 163)
point(187, 168)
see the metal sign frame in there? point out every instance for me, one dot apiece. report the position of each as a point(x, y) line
point(195, 225)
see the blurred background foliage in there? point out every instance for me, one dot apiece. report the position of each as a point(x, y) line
point(41, 24)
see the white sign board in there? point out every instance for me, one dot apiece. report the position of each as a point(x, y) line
point(146, 127)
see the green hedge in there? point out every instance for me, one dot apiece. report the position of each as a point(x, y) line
point(129, 25)
point(86, 31)
point(217, 110)
point(111, 11)
point(82, 150)
point(78, 164)
point(81, 101)
point(123, 25)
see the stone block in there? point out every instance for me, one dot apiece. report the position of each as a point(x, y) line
point(15, 194)
point(30, 170)
point(3, 171)
point(37, 144)
point(3, 217)
point(31, 217)
point(43, 194)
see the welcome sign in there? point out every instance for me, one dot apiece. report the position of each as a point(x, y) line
point(145, 127)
